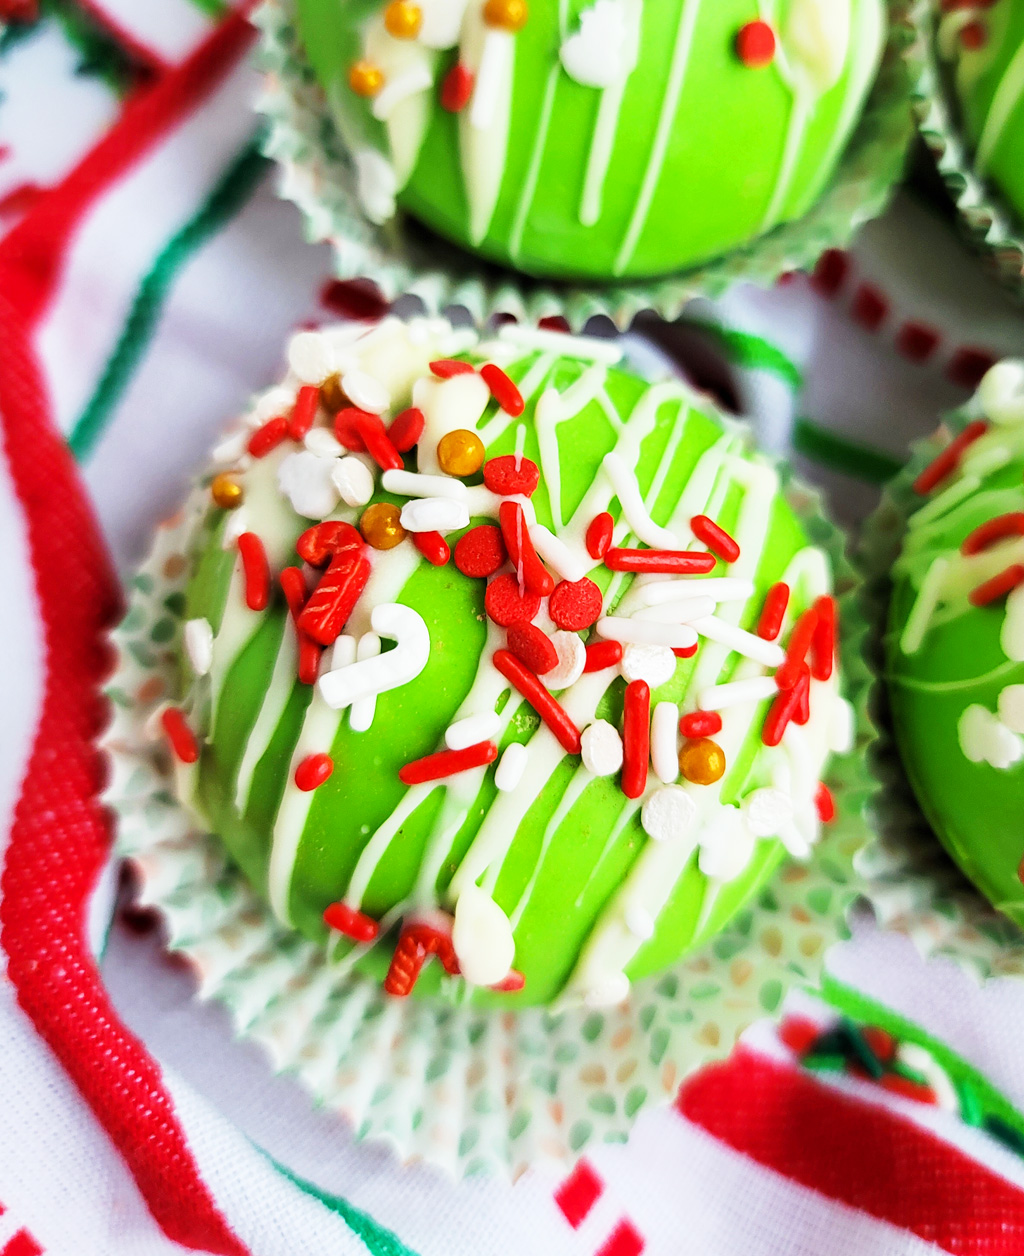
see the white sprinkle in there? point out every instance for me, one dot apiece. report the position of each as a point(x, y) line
point(311, 357)
point(272, 403)
point(582, 348)
point(770, 653)
point(768, 811)
point(376, 183)
point(472, 730)
point(984, 738)
point(237, 522)
point(318, 440)
point(639, 922)
point(721, 588)
point(982, 460)
point(598, 54)
point(307, 481)
point(495, 63)
point(511, 767)
point(654, 663)
point(361, 713)
point(628, 492)
point(1001, 392)
point(199, 645)
point(602, 748)
point(557, 554)
point(353, 479)
point(668, 814)
point(572, 658)
point(340, 688)
point(841, 726)
point(1011, 635)
point(231, 449)
point(721, 697)
point(643, 632)
point(726, 845)
point(683, 612)
point(410, 83)
point(1011, 707)
point(482, 938)
point(609, 992)
point(920, 616)
point(344, 652)
point(412, 484)
point(365, 391)
point(434, 514)
point(664, 742)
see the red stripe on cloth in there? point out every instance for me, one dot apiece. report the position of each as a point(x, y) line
point(857, 1153)
point(22, 1244)
point(625, 1240)
point(59, 838)
point(579, 1193)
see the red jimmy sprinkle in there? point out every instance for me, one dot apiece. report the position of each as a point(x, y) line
point(433, 547)
point(406, 429)
point(313, 771)
point(947, 462)
point(773, 612)
point(446, 368)
point(599, 535)
point(503, 390)
point(666, 562)
point(256, 570)
point(715, 538)
point(636, 737)
point(304, 411)
point(181, 738)
point(549, 710)
point(353, 924)
point(268, 437)
point(435, 767)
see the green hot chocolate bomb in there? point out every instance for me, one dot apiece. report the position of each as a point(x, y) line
point(955, 644)
point(594, 139)
point(469, 781)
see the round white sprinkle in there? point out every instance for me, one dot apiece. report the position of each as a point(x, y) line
point(613, 990)
point(471, 730)
point(231, 449)
point(602, 748)
point(305, 479)
point(557, 554)
point(318, 440)
point(311, 357)
point(511, 767)
point(643, 632)
point(199, 645)
point(726, 845)
point(768, 812)
point(654, 663)
point(412, 484)
point(1001, 392)
point(664, 742)
point(365, 391)
point(482, 938)
point(274, 402)
point(572, 658)
point(639, 922)
point(668, 813)
point(754, 689)
point(434, 514)
point(354, 481)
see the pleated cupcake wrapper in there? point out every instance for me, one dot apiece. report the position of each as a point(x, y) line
point(403, 258)
point(988, 223)
point(914, 887)
point(468, 1090)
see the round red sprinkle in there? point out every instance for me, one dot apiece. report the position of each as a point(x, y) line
point(755, 45)
point(825, 803)
point(445, 368)
point(457, 88)
point(599, 535)
point(268, 437)
point(353, 924)
point(532, 647)
point(313, 771)
point(481, 551)
point(346, 430)
point(974, 36)
point(509, 475)
point(685, 651)
point(701, 724)
point(506, 605)
point(503, 390)
point(406, 429)
point(575, 605)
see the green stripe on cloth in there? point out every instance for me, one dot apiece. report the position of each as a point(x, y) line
point(839, 454)
point(374, 1237)
point(752, 353)
point(226, 199)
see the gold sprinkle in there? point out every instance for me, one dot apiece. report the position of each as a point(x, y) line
point(365, 78)
point(226, 491)
point(702, 762)
point(509, 15)
point(381, 526)
point(403, 19)
point(460, 452)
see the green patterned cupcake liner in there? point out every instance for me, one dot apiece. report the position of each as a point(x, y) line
point(405, 259)
point(987, 222)
point(912, 884)
point(468, 1090)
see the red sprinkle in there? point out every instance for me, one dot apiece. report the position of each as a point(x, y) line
point(304, 411)
point(825, 803)
point(999, 586)
point(636, 737)
point(353, 924)
point(378, 444)
point(907, 1087)
point(506, 605)
point(346, 431)
point(480, 551)
point(667, 562)
point(268, 437)
point(416, 942)
point(435, 767)
point(785, 708)
point(313, 771)
point(457, 88)
point(755, 45)
point(803, 707)
point(773, 612)
point(974, 36)
point(293, 585)
point(511, 984)
point(327, 540)
point(796, 649)
point(715, 538)
point(182, 739)
point(599, 535)
point(550, 711)
point(823, 642)
point(532, 647)
point(334, 598)
point(603, 654)
point(685, 651)
point(433, 547)
point(503, 390)
point(446, 368)
point(509, 476)
point(575, 605)
point(256, 570)
point(998, 529)
point(515, 531)
point(947, 462)
point(700, 724)
point(406, 429)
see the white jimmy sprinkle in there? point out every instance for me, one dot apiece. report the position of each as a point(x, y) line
point(668, 814)
point(413, 81)
point(434, 514)
point(401, 624)
point(236, 523)
point(361, 713)
point(472, 730)
point(639, 922)
point(628, 492)
point(738, 692)
point(343, 652)
point(353, 479)
point(231, 449)
point(656, 664)
point(482, 938)
point(511, 767)
point(682, 612)
point(495, 63)
point(644, 632)
point(557, 554)
point(199, 645)
point(664, 742)
point(572, 658)
point(769, 653)
point(721, 588)
point(602, 748)
point(412, 484)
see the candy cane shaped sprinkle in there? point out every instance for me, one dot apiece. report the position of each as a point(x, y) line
point(313, 771)
point(796, 649)
point(406, 429)
point(181, 738)
point(995, 530)
point(198, 638)
point(531, 572)
point(503, 390)
point(601, 747)
point(721, 588)
point(705, 723)
point(256, 571)
point(293, 585)
point(418, 940)
point(736, 693)
point(371, 677)
point(378, 445)
point(599, 535)
point(509, 476)
point(768, 653)
point(602, 655)
point(433, 547)
point(329, 606)
point(998, 587)
point(636, 738)
point(823, 643)
point(943, 466)
point(413, 484)
point(510, 769)
point(304, 411)
point(773, 612)
point(557, 554)
point(267, 438)
point(784, 709)
point(472, 730)
point(361, 714)
point(715, 538)
point(825, 803)
point(660, 562)
point(549, 710)
point(351, 923)
point(327, 540)
point(434, 514)
point(532, 647)
point(643, 632)
point(664, 749)
point(627, 490)
point(435, 767)
point(447, 368)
